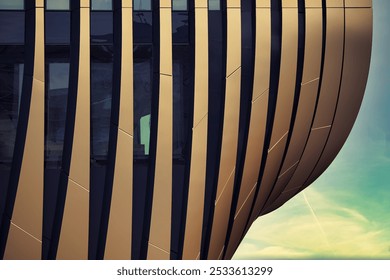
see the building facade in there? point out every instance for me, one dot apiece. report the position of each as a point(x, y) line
point(146, 129)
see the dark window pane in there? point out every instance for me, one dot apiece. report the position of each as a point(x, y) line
point(180, 27)
point(214, 5)
point(101, 96)
point(57, 4)
point(142, 5)
point(57, 27)
point(101, 5)
point(142, 27)
point(182, 91)
point(179, 5)
point(11, 28)
point(101, 27)
point(142, 99)
point(57, 82)
point(11, 79)
point(11, 4)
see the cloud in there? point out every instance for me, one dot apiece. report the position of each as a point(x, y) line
point(331, 231)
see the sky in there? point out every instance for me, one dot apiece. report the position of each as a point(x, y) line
point(345, 213)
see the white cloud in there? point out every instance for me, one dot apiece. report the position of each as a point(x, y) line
point(293, 232)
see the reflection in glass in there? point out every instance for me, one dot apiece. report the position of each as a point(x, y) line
point(57, 79)
point(11, 4)
point(57, 28)
point(11, 28)
point(101, 28)
point(214, 5)
point(11, 79)
point(142, 5)
point(101, 96)
point(57, 4)
point(142, 98)
point(179, 5)
point(105, 5)
point(142, 27)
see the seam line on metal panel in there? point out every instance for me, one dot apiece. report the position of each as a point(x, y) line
point(26, 232)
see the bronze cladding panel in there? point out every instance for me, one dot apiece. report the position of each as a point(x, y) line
point(257, 123)
point(194, 220)
point(160, 227)
point(28, 209)
point(358, 40)
point(118, 244)
point(326, 101)
point(73, 242)
point(308, 96)
point(229, 143)
point(281, 125)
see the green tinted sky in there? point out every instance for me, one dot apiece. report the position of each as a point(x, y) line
point(346, 212)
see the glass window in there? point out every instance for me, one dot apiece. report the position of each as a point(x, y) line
point(101, 28)
point(214, 5)
point(142, 98)
point(56, 100)
point(179, 5)
point(57, 28)
point(142, 27)
point(142, 5)
point(57, 4)
point(101, 96)
point(11, 28)
point(11, 79)
point(105, 5)
point(11, 4)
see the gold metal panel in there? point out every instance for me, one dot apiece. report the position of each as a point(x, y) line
point(327, 99)
point(334, 3)
point(165, 4)
point(233, 61)
point(288, 67)
point(358, 39)
point(272, 165)
point(39, 4)
point(302, 125)
point(21, 245)
point(240, 219)
point(262, 53)
point(221, 219)
point(332, 68)
point(126, 4)
point(194, 221)
point(201, 66)
point(73, 244)
point(313, 45)
point(314, 146)
point(358, 3)
point(165, 41)
point(313, 3)
point(118, 244)
point(200, 4)
point(290, 3)
point(254, 150)
point(79, 166)
point(27, 214)
point(263, 4)
point(126, 95)
point(230, 130)
point(28, 208)
point(283, 198)
point(233, 4)
point(84, 3)
point(155, 253)
point(160, 228)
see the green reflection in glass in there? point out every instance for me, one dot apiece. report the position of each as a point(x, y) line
point(145, 132)
point(142, 5)
point(105, 5)
point(214, 5)
point(179, 5)
point(11, 4)
point(57, 4)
